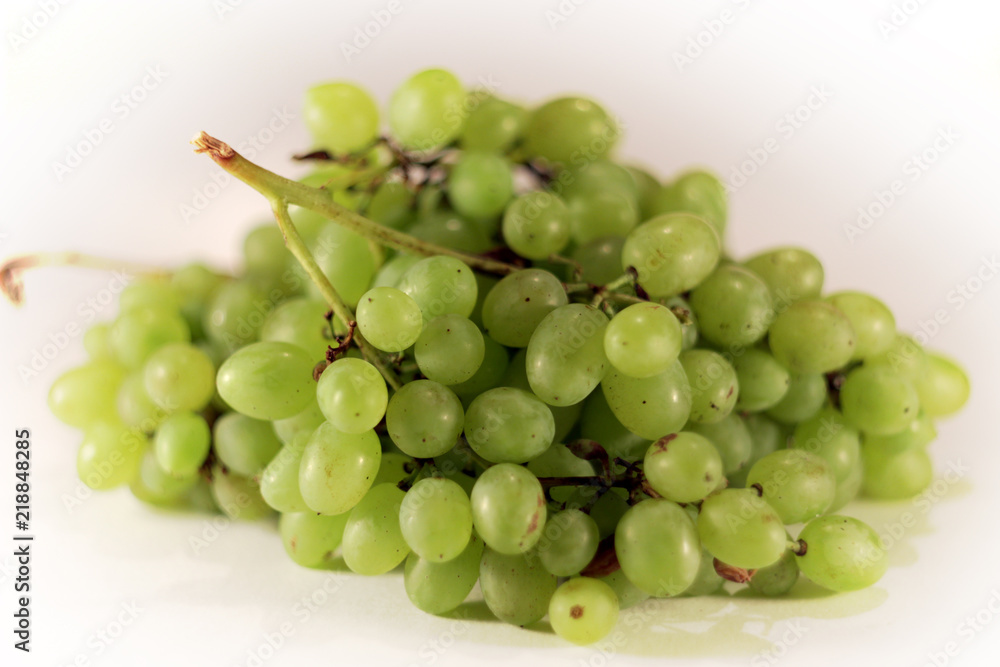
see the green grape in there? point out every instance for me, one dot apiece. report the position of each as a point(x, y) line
point(697, 192)
point(733, 307)
point(628, 594)
point(391, 205)
point(570, 130)
point(95, 340)
point(109, 455)
point(302, 322)
point(905, 356)
point(829, 436)
point(179, 376)
point(238, 497)
point(507, 425)
point(558, 461)
point(181, 444)
point(568, 543)
point(600, 424)
point(490, 373)
point(195, 284)
point(447, 229)
point(741, 529)
point(428, 110)
point(873, 323)
point(849, 487)
point(536, 225)
point(389, 319)
point(812, 337)
point(346, 259)
point(135, 407)
point(878, 400)
point(373, 542)
point(493, 124)
point(732, 440)
point(683, 467)
point(267, 380)
point(583, 610)
point(480, 184)
point(441, 286)
point(87, 394)
point(517, 304)
point(516, 588)
point(352, 395)
point(920, 433)
point(309, 538)
point(508, 508)
point(394, 468)
point(766, 436)
point(657, 546)
point(484, 284)
point(689, 323)
point(805, 396)
point(776, 579)
point(714, 385)
point(338, 468)
point(152, 484)
point(643, 340)
point(597, 213)
point(436, 519)
point(895, 475)
point(341, 117)
point(585, 177)
point(136, 334)
point(671, 253)
point(707, 581)
point(264, 252)
point(424, 418)
point(450, 349)
point(517, 377)
point(842, 554)
point(393, 270)
point(763, 382)
point(306, 421)
point(797, 484)
point(438, 588)
point(650, 407)
point(243, 444)
point(600, 260)
point(791, 273)
point(235, 314)
point(608, 510)
point(147, 292)
point(565, 359)
point(279, 480)
point(944, 388)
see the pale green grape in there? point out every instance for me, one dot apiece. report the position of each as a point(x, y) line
point(517, 377)
point(436, 519)
point(110, 455)
point(235, 313)
point(87, 394)
point(438, 588)
point(762, 380)
point(778, 578)
point(600, 259)
point(424, 418)
point(96, 340)
point(446, 228)
point(493, 124)
point(135, 407)
point(707, 580)
point(698, 192)
point(583, 610)
point(337, 469)
point(944, 388)
point(599, 423)
point(450, 349)
point(237, 496)
point(373, 542)
point(741, 529)
point(568, 543)
point(536, 225)
point(683, 467)
point(516, 588)
point(570, 129)
point(138, 333)
point(812, 337)
point(586, 176)
point(657, 546)
point(714, 385)
point(195, 285)
point(849, 487)
point(279, 480)
point(428, 110)
point(878, 400)
point(517, 304)
point(732, 440)
point(843, 553)
point(558, 461)
point(628, 594)
point(341, 117)
point(309, 538)
point(508, 508)
point(643, 340)
point(480, 184)
point(905, 356)
point(302, 322)
point(306, 421)
point(441, 286)
point(243, 444)
point(829, 436)
point(608, 510)
point(597, 213)
point(671, 253)
point(873, 323)
point(766, 436)
point(689, 322)
point(346, 259)
point(896, 475)
point(393, 270)
point(148, 292)
point(267, 380)
point(507, 425)
point(264, 253)
point(181, 444)
point(391, 205)
point(650, 407)
point(156, 486)
point(920, 433)
point(797, 484)
point(565, 359)
point(733, 306)
point(791, 273)
point(490, 374)
point(352, 395)
point(805, 396)
point(389, 319)
point(179, 377)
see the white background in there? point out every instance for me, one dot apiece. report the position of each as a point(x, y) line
point(230, 72)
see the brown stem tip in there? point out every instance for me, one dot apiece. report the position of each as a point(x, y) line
point(216, 149)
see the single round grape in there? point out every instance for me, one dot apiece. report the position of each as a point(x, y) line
point(306, 421)
point(657, 546)
point(628, 594)
point(493, 124)
point(95, 340)
point(450, 349)
point(109, 455)
point(391, 205)
point(87, 394)
point(138, 333)
point(389, 319)
point(797, 484)
point(895, 475)
point(352, 395)
point(776, 579)
point(643, 340)
point(714, 385)
point(309, 538)
point(446, 228)
point(235, 313)
point(181, 444)
point(842, 553)
point(517, 304)
point(791, 273)
point(650, 407)
point(148, 292)
point(279, 481)
point(583, 610)
point(135, 407)
point(507, 425)
point(828, 435)
point(944, 388)
point(812, 337)
point(671, 253)
point(424, 418)
point(267, 380)
point(536, 225)
point(480, 184)
point(516, 588)
point(698, 192)
point(438, 588)
point(590, 175)
point(436, 519)
point(337, 469)
point(683, 467)
point(568, 129)
point(805, 396)
point(346, 259)
point(302, 321)
point(568, 543)
point(243, 444)
point(179, 377)
point(373, 542)
point(878, 400)
point(734, 307)
point(732, 440)
point(341, 117)
point(600, 260)
point(597, 213)
point(441, 286)
point(741, 529)
point(920, 433)
point(237, 496)
point(152, 484)
point(763, 382)
point(508, 508)
point(905, 356)
point(490, 374)
point(391, 272)
point(428, 110)
point(873, 323)
point(264, 252)
point(565, 359)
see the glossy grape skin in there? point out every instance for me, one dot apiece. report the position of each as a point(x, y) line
point(776, 579)
point(672, 253)
point(373, 541)
point(138, 333)
point(306, 421)
point(570, 129)
point(879, 401)
point(279, 480)
point(516, 588)
point(235, 314)
point(601, 174)
point(109, 455)
point(698, 192)
point(731, 438)
point(480, 184)
point(791, 274)
point(490, 373)
point(763, 382)
point(683, 467)
point(179, 377)
point(424, 418)
point(517, 304)
point(341, 117)
point(583, 610)
point(895, 475)
point(536, 224)
point(153, 485)
point(391, 272)
point(441, 286)
point(812, 337)
point(598, 213)
point(733, 306)
point(352, 395)
point(650, 407)
point(828, 435)
point(507, 425)
point(843, 553)
point(599, 423)
point(508, 508)
point(265, 256)
point(805, 396)
point(346, 259)
point(389, 319)
point(428, 110)
point(337, 469)
point(628, 594)
point(391, 205)
point(873, 323)
point(797, 484)
point(643, 340)
point(565, 359)
point(600, 259)
point(310, 539)
point(657, 546)
point(714, 385)
point(87, 394)
point(446, 228)
point(243, 444)
point(741, 529)
point(493, 124)
point(438, 588)
point(568, 543)
point(182, 443)
point(302, 321)
point(904, 356)
point(267, 380)
point(450, 349)
point(517, 377)
point(920, 433)
point(435, 519)
point(944, 388)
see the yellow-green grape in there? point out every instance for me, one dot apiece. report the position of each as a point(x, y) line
point(643, 340)
point(392, 205)
point(441, 286)
point(741, 529)
point(828, 435)
point(179, 377)
point(878, 400)
point(87, 394)
point(672, 253)
point(352, 394)
point(306, 421)
point(569, 130)
point(490, 373)
point(797, 484)
point(393, 270)
point(791, 273)
point(507, 425)
point(650, 407)
point(873, 323)
point(600, 174)
point(568, 543)
point(195, 285)
point(895, 475)
point(148, 292)
point(438, 588)
point(493, 124)
point(565, 359)
point(599, 423)
point(762, 380)
point(235, 314)
point(601, 212)
point(766, 436)
point(243, 444)
point(265, 257)
point(389, 319)
point(110, 455)
point(905, 356)
point(558, 461)
point(583, 610)
point(135, 407)
point(516, 588)
point(337, 469)
point(842, 553)
point(657, 546)
point(707, 581)
point(805, 396)
point(516, 376)
point(536, 225)
point(136, 334)
point(812, 337)
point(267, 380)
point(714, 385)
point(698, 192)
point(480, 184)
point(600, 260)
point(450, 349)
point(341, 117)
point(687, 319)
point(310, 539)
point(733, 306)
point(181, 443)
point(776, 579)
point(517, 304)
point(428, 110)
point(373, 542)
point(732, 440)
point(156, 486)
point(683, 467)
point(279, 480)
point(920, 433)
point(302, 321)
point(944, 388)
point(628, 594)
point(237, 496)
point(436, 519)
point(849, 487)
point(424, 418)
point(444, 227)
point(346, 259)
point(95, 340)
point(508, 508)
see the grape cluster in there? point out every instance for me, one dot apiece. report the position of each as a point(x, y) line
point(623, 412)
